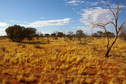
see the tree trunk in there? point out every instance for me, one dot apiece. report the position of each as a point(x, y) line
point(110, 47)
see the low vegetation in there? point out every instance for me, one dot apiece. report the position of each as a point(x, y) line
point(61, 62)
point(18, 33)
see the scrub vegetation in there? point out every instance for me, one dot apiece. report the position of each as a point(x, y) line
point(62, 61)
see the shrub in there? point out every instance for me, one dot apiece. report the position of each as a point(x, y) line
point(17, 33)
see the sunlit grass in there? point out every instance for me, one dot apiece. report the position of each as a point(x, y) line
point(62, 62)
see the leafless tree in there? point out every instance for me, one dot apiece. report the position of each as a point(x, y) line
point(115, 10)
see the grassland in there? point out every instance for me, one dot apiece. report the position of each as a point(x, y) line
point(62, 62)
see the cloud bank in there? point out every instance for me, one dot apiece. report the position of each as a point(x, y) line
point(96, 15)
point(58, 22)
point(37, 24)
point(77, 2)
point(74, 2)
point(3, 24)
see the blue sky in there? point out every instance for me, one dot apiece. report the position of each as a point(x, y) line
point(48, 15)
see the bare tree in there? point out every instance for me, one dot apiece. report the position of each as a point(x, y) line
point(115, 22)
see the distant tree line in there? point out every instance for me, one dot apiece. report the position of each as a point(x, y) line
point(18, 33)
point(79, 34)
point(103, 34)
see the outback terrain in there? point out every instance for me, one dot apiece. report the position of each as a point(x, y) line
point(62, 61)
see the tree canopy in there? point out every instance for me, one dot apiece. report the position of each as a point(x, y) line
point(18, 33)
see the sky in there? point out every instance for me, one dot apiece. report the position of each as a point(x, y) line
point(49, 16)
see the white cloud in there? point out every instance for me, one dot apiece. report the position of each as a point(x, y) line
point(49, 23)
point(96, 15)
point(112, 5)
point(77, 2)
point(92, 3)
point(95, 3)
point(3, 24)
point(2, 31)
point(36, 24)
point(74, 2)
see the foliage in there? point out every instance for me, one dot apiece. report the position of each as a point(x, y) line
point(71, 35)
point(60, 34)
point(18, 33)
point(15, 33)
point(80, 34)
point(47, 35)
point(29, 33)
point(103, 34)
